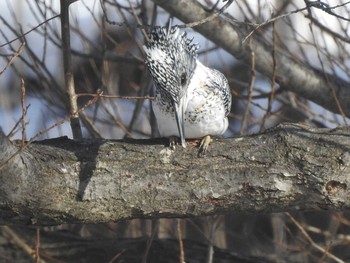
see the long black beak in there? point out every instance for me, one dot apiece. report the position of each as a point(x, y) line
point(179, 115)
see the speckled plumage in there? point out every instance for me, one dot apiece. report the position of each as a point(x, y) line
point(192, 100)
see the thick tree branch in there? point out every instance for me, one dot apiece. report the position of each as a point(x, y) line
point(63, 181)
point(291, 75)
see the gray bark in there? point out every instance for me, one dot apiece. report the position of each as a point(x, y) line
point(292, 75)
point(283, 169)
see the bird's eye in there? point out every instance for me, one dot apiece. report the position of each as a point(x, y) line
point(183, 79)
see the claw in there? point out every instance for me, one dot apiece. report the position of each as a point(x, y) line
point(204, 145)
point(173, 141)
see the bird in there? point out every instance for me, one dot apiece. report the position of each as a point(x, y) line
point(191, 100)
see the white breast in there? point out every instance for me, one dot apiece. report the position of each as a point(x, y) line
point(205, 111)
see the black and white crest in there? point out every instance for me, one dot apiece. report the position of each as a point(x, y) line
point(171, 59)
point(170, 38)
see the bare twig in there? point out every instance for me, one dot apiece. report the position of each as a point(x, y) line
point(326, 7)
point(311, 241)
point(20, 243)
point(14, 129)
point(211, 17)
point(334, 94)
point(273, 80)
point(316, 4)
point(210, 253)
point(90, 125)
point(115, 96)
point(26, 33)
point(116, 256)
point(143, 31)
point(60, 122)
point(271, 20)
point(14, 55)
point(24, 111)
point(155, 228)
point(181, 243)
point(250, 89)
point(116, 120)
point(37, 245)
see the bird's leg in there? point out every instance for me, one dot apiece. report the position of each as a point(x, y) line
point(204, 145)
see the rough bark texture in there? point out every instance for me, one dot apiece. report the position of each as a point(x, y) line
point(290, 74)
point(64, 181)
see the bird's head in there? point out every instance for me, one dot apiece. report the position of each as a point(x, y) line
point(171, 60)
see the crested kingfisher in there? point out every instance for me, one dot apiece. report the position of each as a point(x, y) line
point(191, 100)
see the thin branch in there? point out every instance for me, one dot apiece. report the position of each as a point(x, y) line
point(58, 123)
point(250, 90)
point(68, 71)
point(210, 17)
point(271, 20)
point(155, 229)
point(117, 256)
point(334, 94)
point(273, 80)
point(14, 129)
point(181, 244)
point(143, 31)
point(12, 59)
point(20, 243)
point(37, 245)
point(115, 96)
point(23, 93)
point(326, 8)
point(311, 241)
point(26, 33)
point(90, 125)
point(116, 120)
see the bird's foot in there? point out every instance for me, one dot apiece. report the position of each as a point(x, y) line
point(204, 145)
point(173, 141)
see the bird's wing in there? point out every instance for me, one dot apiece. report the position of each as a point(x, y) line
point(219, 85)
